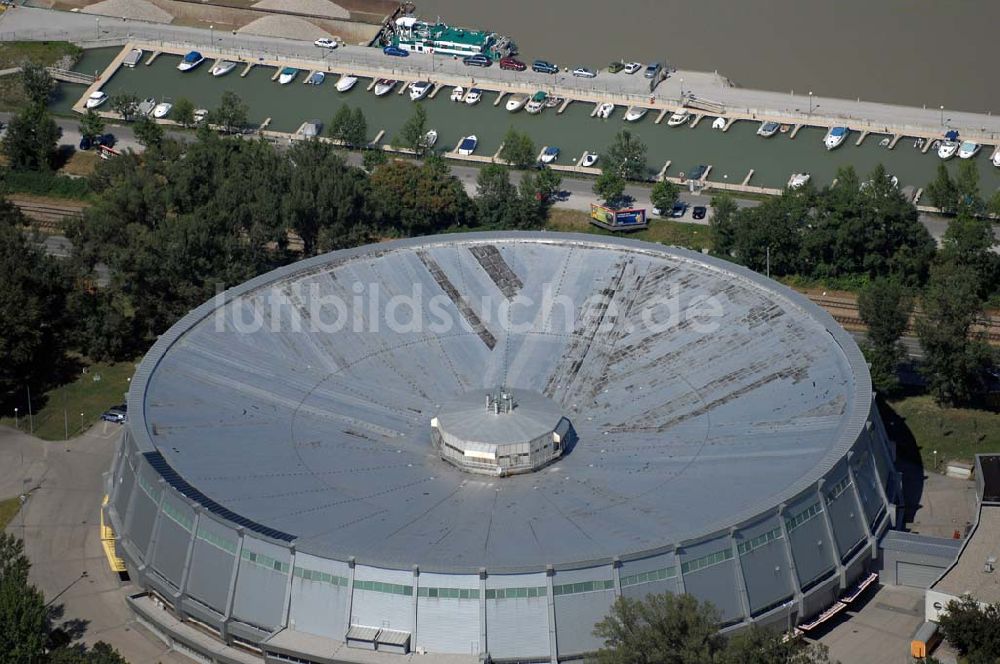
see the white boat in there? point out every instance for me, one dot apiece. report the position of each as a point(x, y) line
point(346, 82)
point(996, 158)
point(589, 159)
point(430, 138)
point(287, 75)
point(536, 103)
point(768, 129)
point(133, 58)
point(190, 61)
point(635, 113)
point(458, 93)
point(798, 180)
point(549, 154)
point(315, 78)
point(516, 102)
point(162, 109)
point(552, 102)
point(96, 99)
point(384, 86)
point(200, 115)
point(947, 149)
point(223, 67)
point(891, 179)
point(474, 96)
point(419, 89)
point(605, 110)
point(835, 137)
point(678, 118)
point(468, 145)
point(719, 123)
point(968, 149)
point(146, 106)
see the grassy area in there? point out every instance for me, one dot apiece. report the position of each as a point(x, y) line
point(8, 509)
point(13, 54)
point(663, 231)
point(956, 433)
point(81, 163)
point(76, 406)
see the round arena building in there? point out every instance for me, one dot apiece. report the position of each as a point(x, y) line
point(470, 445)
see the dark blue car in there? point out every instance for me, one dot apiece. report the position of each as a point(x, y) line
point(544, 67)
point(396, 51)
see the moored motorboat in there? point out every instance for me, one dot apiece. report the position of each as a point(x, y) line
point(947, 149)
point(315, 78)
point(162, 109)
point(798, 180)
point(419, 89)
point(549, 154)
point(605, 110)
point(430, 138)
point(223, 67)
point(589, 159)
point(996, 158)
point(190, 61)
point(146, 106)
point(719, 123)
point(678, 118)
point(346, 82)
point(96, 99)
point(552, 102)
point(133, 58)
point(785, 128)
point(468, 145)
point(536, 103)
point(384, 86)
point(835, 137)
point(516, 102)
point(635, 113)
point(200, 115)
point(768, 129)
point(968, 149)
point(287, 75)
point(473, 97)
point(458, 93)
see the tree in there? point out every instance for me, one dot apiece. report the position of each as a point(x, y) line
point(418, 199)
point(626, 156)
point(372, 159)
point(664, 195)
point(22, 607)
point(955, 359)
point(30, 142)
point(972, 629)
point(518, 149)
point(349, 127)
point(967, 187)
point(662, 629)
point(100, 653)
point(722, 223)
point(91, 124)
point(968, 241)
point(231, 114)
point(125, 104)
point(413, 134)
point(36, 82)
point(545, 184)
point(610, 187)
point(757, 645)
point(884, 305)
point(148, 132)
point(943, 192)
point(183, 112)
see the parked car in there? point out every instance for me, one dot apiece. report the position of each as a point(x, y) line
point(117, 414)
point(477, 60)
point(633, 67)
point(395, 51)
point(583, 72)
point(86, 143)
point(544, 67)
point(107, 140)
point(699, 212)
point(616, 67)
point(512, 63)
point(678, 210)
point(325, 42)
point(653, 69)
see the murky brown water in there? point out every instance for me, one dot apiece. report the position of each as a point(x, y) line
point(903, 51)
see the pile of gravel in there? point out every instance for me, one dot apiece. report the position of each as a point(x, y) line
point(290, 27)
point(314, 7)
point(137, 10)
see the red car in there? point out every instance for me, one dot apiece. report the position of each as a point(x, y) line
point(512, 63)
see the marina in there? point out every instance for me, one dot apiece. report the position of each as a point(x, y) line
point(740, 159)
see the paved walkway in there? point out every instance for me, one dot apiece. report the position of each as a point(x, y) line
point(26, 23)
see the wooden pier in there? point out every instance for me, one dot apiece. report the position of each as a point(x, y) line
point(597, 107)
point(500, 96)
point(496, 157)
point(746, 180)
point(433, 93)
point(704, 176)
point(246, 70)
point(565, 104)
point(152, 57)
point(663, 171)
point(378, 137)
point(371, 86)
point(402, 89)
point(265, 124)
point(895, 139)
point(277, 73)
point(663, 113)
point(697, 119)
point(729, 123)
point(862, 137)
point(795, 131)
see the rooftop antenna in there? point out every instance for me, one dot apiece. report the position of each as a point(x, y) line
point(500, 401)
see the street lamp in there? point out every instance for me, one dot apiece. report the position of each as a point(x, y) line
point(682, 89)
point(98, 27)
point(211, 33)
point(81, 422)
point(935, 459)
point(942, 115)
point(15, 418)
point(810, 102)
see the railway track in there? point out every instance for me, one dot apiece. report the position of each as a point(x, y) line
point(47, 217)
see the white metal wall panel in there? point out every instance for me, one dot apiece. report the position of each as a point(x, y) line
point(448, 625)
point(766, 571)
point(123, 489)
point(849, 526)
point(811, 546)
point(212, 563)
point(261, 583)
point(319, 601)
point(144, 508)
point(176, 524)
point(517, 627)
point(864, 475)
point(576, 616)
point(715, 583)
point(382, 609)
point(916, 575)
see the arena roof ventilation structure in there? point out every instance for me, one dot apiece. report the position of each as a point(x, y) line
point(469, 445)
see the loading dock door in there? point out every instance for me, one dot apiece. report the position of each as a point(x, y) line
point(916, 576)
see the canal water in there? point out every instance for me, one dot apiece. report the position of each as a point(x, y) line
point(731, 154)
